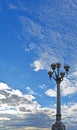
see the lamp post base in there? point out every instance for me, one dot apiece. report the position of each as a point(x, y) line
point(58, 126)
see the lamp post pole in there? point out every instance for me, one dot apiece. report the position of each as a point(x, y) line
point(58, 77)
point(58, 113)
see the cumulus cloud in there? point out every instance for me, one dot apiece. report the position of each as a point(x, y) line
point(12, 100)
point(70, 111)
point(37, 65)
point(45, 56)
point(21, 108)
point(67, 88)
point(51, 93)
point(4, 86)
point(18, 108)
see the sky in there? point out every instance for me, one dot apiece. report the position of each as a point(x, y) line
point(33, 35)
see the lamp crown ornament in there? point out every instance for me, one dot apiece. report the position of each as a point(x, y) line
point(58, 65)
point(67, 67)
point(53, 66)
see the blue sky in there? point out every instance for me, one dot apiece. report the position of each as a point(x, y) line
point(33, 35)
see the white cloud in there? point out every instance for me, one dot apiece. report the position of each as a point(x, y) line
point(69, 111)
point(11, 100)
point(17, 107)
point(2, 96)
point(4, 118)
point(44, 61)
point(12, 6)
point(4, 86)
point(43, 86)
point(67, 87)
point(51, 93)
point(30, 27)
point(37, 65)
point(29, 90)
point(29, 48)
point(16, 92)
point(75, 73)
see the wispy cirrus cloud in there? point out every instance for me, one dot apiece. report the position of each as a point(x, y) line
point(12, 6)
point(29, 48)
point(42, 86)
point(46, 36)
point(46, 50)
point(52, 36)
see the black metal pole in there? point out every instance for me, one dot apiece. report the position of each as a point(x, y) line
point(58, 113)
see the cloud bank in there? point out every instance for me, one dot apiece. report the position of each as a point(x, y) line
point(21, 110)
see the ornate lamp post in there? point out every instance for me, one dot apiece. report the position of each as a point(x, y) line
point(58, 77)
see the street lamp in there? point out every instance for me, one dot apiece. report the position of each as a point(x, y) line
point(58, 77)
